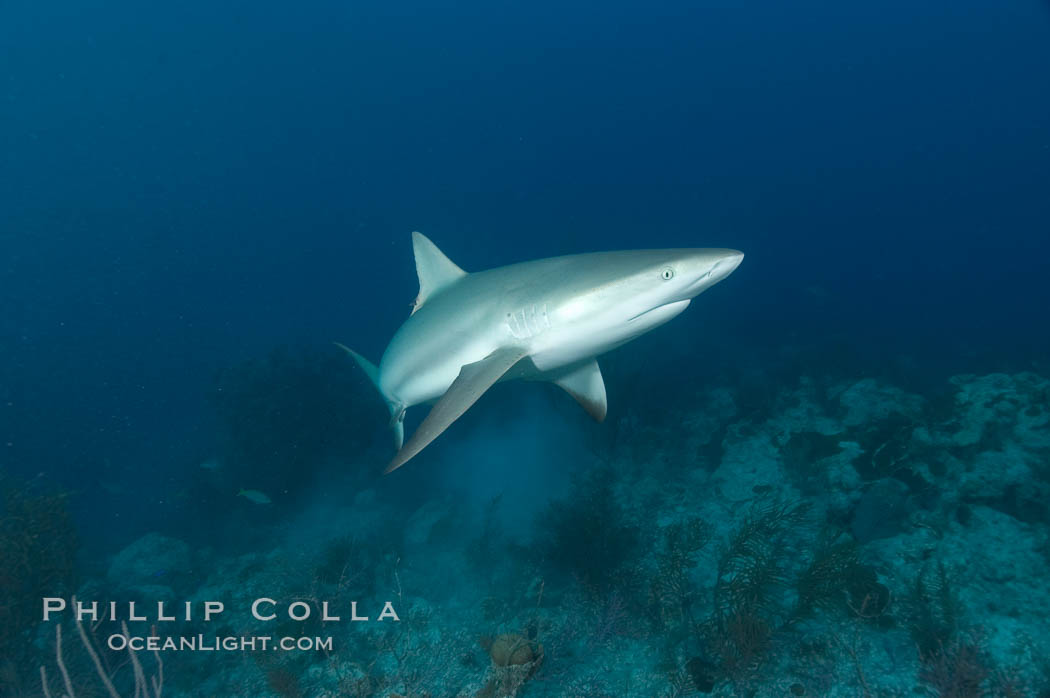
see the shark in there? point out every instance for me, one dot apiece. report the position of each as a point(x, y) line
point(546, 320)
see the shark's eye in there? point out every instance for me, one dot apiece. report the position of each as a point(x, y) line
point(667, 274)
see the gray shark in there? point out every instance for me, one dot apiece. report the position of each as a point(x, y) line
point(541, 320)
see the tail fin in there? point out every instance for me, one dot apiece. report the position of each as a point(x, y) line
point(397, 410)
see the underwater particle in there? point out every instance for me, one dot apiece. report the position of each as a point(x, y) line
point(255, 496)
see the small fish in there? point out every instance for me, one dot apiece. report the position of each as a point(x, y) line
point(211, 464)
point(255, 496)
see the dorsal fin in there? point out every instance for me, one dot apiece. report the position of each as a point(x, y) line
point(435, 270)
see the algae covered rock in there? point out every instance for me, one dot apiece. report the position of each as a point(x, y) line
point(882, 511)
point(868, 401)
point(998, 407)
point(751, 457)
point(150, 561)
point(992, 448)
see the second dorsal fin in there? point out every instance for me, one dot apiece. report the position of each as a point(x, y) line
point(435, 270)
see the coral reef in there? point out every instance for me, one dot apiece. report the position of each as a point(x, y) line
point(37, 558)
point(838, 538)
point(587, 535)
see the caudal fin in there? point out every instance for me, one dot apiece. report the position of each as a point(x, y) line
point(397, 410)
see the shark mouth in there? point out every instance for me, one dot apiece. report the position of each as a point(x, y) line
point(662, 313)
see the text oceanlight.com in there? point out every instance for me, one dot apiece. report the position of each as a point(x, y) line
point(202, 643)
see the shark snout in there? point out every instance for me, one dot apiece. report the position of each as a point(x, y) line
point(727, 264)
point(713, 266)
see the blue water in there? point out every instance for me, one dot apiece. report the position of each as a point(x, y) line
point(188, 186)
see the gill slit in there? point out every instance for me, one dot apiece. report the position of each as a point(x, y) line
point(528, 321)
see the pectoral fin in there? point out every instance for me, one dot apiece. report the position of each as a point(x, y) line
point(585, 384)
point(473, 380)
